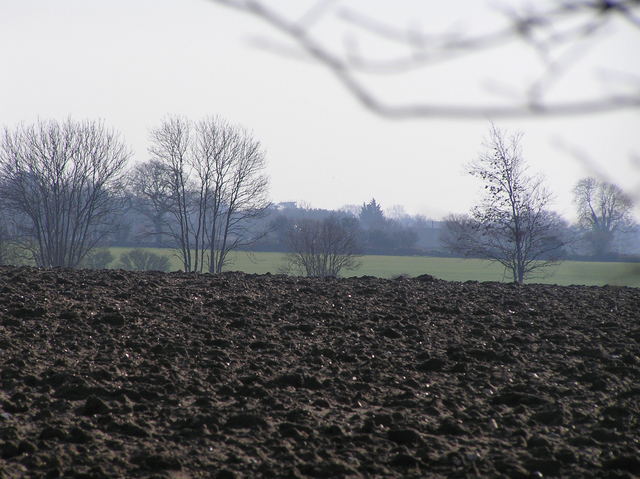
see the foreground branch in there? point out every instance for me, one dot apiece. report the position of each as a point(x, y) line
point(536, 29)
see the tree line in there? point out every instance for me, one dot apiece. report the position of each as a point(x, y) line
point(67, 188)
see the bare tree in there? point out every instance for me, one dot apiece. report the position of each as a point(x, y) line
point(217, 186)
point(603, 210)
point(323, 248)
point(555, 32)
point(230, 165)
point(170, 149)
point(65, 178)
point(511, 225)
point(149, 185)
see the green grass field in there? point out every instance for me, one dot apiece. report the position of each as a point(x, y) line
point(452, 269)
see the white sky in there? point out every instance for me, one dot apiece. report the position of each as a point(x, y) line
point(131, 62)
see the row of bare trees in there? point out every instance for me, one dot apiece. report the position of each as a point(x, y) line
point(512, 224)
point(62, 183)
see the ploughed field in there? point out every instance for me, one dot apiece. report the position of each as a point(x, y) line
point(123, 374)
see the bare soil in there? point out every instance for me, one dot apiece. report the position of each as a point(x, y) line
point(121, 374)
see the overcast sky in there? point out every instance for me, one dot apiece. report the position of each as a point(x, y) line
point(131, 62)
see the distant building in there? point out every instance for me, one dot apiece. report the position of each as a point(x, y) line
point(287, 205)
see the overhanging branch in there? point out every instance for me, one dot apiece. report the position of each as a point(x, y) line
point(346, 67)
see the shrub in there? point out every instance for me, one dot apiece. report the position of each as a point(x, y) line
point(97, 259)
point(141, 260)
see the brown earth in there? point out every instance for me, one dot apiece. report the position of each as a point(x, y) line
point(118, 374)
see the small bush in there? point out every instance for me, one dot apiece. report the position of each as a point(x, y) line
point(141, 260)
point(97, 259)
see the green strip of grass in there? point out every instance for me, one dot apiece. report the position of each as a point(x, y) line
point(451, 269)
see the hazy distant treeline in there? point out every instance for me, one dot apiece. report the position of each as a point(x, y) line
point(378, 232)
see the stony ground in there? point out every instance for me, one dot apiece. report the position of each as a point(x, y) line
point(119, 374)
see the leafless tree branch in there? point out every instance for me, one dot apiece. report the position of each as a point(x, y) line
point(543, 30)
